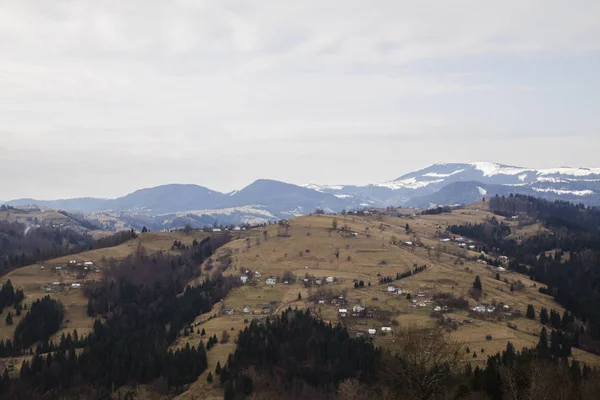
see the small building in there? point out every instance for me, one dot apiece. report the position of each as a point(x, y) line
point(319, 281)
point(355, 234)
point(372, 331)
point(501, 269)
point(420, 294)
point(330, 279)
point(444, 240)
point(386, 329)
point(72, 262)
point(506, 307)
point(343, 311)
point(228, 311)
point(391, 289)
point(237, 228)
point(88, 264)
point(437, 308)
point(358, 309)
point(243, 279)
point(216, 230)
point(472, 247)
point(257, 274)
point(55, 283)
point(271, 281)
point(408, 243)
point(76, 285)
point(246, 310)
point(321, 301)
point(400, 291)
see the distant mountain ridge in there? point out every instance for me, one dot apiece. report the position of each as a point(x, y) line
point(267, 200)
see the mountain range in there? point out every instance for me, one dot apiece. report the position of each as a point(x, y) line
point(266, 200)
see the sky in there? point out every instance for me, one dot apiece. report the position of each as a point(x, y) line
point(100, 98)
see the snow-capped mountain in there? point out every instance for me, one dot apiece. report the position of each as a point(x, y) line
point(582, 184)
point(267, 200)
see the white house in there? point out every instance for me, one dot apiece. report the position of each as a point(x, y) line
point(437, 308)
point(257, 274)
point(357, 309)
point(408, 243)
point(88, 264)
point(420, 294)
point(330, 279)
point(372, 331)
point(56, 283)
point(506, 307)
point(472, 247)
point(343, 312)
point(392, 288)
point(479, 308)
point(386, 329)
point(244, 279)
point(321, 301)
point(354, 234)
point(319, 281)
point(444, 240)
point(246, 310)
point(237, 228)
point(271, 281)
point(72, 262)
point(422, 304)
point(501, 269)
point(76, 285)
point(400, 291)
point(216, 230)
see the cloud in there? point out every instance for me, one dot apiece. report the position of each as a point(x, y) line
point(148, 88)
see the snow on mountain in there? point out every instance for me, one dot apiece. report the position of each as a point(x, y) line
point(409, 183)
point(562, 191)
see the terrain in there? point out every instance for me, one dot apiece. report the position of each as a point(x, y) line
point(176, 205)
point(349, 248)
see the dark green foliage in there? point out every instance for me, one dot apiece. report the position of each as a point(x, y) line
point(209, 378)
point(544, 319)
point(43, 320)
point(477, 283)
point(530, 311)
point(9, 320)
point(303, 349)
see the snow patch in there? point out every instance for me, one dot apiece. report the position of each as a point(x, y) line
point(522, 177)
point(343, 196)
point(482, 191)
point(409, 183)
point(321, 188)
point(570, 171)
point(436, 175)
point(491, 169)
point(562, 191)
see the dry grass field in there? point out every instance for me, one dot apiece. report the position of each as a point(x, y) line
point(313, 249)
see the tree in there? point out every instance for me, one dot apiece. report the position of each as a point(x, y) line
point(530, 312)
point(497, 276)
point(477, 284)
point(9, 320)
point(144, 229)
point(543, 343)
point(299, 296)
point(218, 368)
point(426, 359)
point(224, 337)
point(334, 224)
point(407, 228)
point(544, 319)
point(203, 332)
point(209, 378)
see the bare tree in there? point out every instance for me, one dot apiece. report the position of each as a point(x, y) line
point(422, 362)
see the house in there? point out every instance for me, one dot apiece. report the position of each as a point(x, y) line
point(355, 234)
point(58, 268)
point(422, 304)
point(257, 274)
point(370, 314)
point(391, 289)
point(321, 301)
point(243, 279)
point(400, 291)
point(437, 308)
point(461, 245)
point(506, 307)
point(216, 230)
point(271, 281)
point(55, 283)
point(88, 264)
point(444, 240)
point(501, 269)
point(246, 310)
point(386, 329)
point(357, 309)
point(420, 294)
point(76, 285)
point(482, 261)
point(305, 280)
point(319, 281)
point(72, 262)
point(479, 309)
point(472, 247)
point(267, 309)
point(330, 279)
point(372, 331)
point(237, 228)
point(342, 312)
point(408, 243)
point(228, 311)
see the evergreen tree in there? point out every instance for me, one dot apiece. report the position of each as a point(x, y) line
point(9, 320)
point(477, 284)
point(543, 343)
point(544, 319)
point(203, 332)
point(299, 296)
point(209, 378)
point(530, 311)
point(218, 368)
point(497, 276)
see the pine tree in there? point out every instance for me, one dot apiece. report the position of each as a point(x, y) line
point(299, 296)
point(543, 343)
point(544, 316)
point(497, 276)
point(209, 378)
point(477, 283)
point(203, 332)
point(530, 311)
point(9, 320)
point(218, 368)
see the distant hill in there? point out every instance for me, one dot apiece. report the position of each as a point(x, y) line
point(268, 200)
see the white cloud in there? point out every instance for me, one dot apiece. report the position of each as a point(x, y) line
point(165, 91)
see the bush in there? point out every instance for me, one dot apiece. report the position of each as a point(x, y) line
point(488, 337)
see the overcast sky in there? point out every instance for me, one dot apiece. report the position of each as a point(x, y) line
point(99, 98)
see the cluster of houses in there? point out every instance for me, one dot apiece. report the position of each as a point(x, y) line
point(373, 331)
point(61, 286)
point(266, 308)
point(357, 311)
